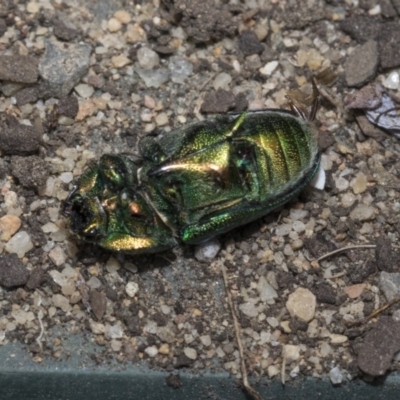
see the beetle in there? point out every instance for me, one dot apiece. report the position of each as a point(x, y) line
point(198, 181)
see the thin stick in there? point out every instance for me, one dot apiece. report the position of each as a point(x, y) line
point(207, 81)
point(40, 316)
point(375, 312)
point(361, 246)
point(236, 326)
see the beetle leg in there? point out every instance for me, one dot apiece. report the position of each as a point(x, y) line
point(222, 222)
point(299, 102)
point(315, 103)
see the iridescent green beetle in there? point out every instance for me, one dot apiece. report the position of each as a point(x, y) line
point(197, 181)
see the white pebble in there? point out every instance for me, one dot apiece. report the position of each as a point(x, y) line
point(208, 250)
point(84, 90)
point(165, 309)
point(114, 331)
point(66, 177)
point(147, 58)
point(336, 376)
point(131, 289)
point(20, 244)
point(342, 184)
point(205, 340)
point(267, 292)
point(61, 302)
point(151, 351)
point(392, 81)
point(58, 256)
point(269, 68)
point(301, 304)
point(222, 81)
point(291, 353)
point(190, 353)
point(120, 61)
point(114, 25)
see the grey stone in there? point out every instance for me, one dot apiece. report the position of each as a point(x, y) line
point(389, 283)
point(62, 66)
point(18, 68)
point(361, 66)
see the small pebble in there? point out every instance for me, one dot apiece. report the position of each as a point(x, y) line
point(297, 244)
point(389, 283)
point(283, 230)
point(291, 353)
point(273, 322)
point(84, 90)
point(165, 334)
point(180, 69)
point(19, 244)
point(151, 351)
point(113, 265)
point(362, 213)
point(266, 291)
point(164, 349)
point(342, 184)
point(222, 81)
point(114, 331)
point(326, 349)
point(154, 78)
point(114, 25)
point(162, 119)
point(58, 256)
point(190, 353)
point(96, 327)
point(62, 302)
point(205, 340)
point(147, 58)
point(135, 34)
point(301, 304)
point(131, 289)
point(273, 371)
point(66, 177)
point(354, 291)
point(359, 183)
point(165, 309)
point(32, 7)
point(392, 81)
point(208, 250)
point(120, 61)
point(116, 345)
point(269, 68)
point(338, 339)
point(249, 309)
point(336, 376)
point(9, 225)
point(298, 226)
point(347, 200)
point(123, 16)
point(149, 102)
point(12, 271)
point(94, 282)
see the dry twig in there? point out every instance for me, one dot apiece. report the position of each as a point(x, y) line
point(375, 312)
point(236, 326)
point(361, 246)
point(40, 316)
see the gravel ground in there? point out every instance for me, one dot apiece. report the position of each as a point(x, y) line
point(80, 79)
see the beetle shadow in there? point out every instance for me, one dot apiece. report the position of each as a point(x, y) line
point(90, 254)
